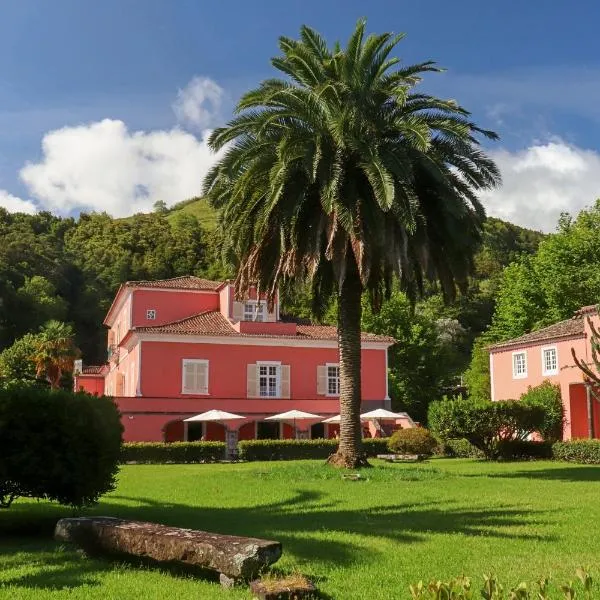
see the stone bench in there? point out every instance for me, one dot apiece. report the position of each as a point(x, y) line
point(401, 457)
point(233, 558)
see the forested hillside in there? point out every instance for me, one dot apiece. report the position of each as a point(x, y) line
point(69, 270)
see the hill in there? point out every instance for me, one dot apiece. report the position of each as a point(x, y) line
point(196, 207)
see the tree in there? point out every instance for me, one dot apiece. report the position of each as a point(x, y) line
point(423, 361)
point(342, 174)
point(160, 206)
point(54, 352)
point(16, 362)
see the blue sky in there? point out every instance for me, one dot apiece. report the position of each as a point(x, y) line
point(87, 77)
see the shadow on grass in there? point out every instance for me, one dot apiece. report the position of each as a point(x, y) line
point(582, 473)
point(293, 522)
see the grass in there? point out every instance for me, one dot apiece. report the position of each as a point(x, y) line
point(197, 207)
point(355, 539)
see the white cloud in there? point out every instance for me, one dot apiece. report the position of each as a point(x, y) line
point(542, 181)
point(13, 204)
point(198, 104)
point(102, 166)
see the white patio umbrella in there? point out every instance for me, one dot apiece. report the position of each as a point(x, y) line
point(382, 413)
point(294, 415)
point(214, 415)
point(337, 419)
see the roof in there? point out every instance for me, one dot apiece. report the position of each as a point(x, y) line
point(569, 328)
point(92, 370)
point(213, 323)
point(186, 282)
point(584, 310)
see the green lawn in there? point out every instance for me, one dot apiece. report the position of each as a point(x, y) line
point(357, 540)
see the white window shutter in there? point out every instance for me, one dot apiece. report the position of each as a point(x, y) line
point(321, 380)
point(237, 311)
point(189, 377)
point(252, 381)
point(202, 378)
point(285, 381)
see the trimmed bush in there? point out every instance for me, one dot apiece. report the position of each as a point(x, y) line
point(174, 452)
point(375, 446)
point(286, 449)
point(547, 397)
point(417, 440)
point(485, 424)
point(523, 449)
point(57, 445)
point(302, 449)
point(578, 451)
point(460, 449)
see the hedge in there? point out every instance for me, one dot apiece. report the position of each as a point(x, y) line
point(173, 452)
point(459, 448)
point(523, 449)
point(578, 451)
point(302, 449)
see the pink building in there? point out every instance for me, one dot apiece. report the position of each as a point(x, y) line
point(183, 346)
point(545, 354)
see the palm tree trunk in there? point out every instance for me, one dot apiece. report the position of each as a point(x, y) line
point(350, 453)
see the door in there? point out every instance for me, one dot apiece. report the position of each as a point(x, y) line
point(267, 430)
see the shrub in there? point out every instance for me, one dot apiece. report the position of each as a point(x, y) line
point(175, 452)
point(57, 445)
point(460, 448)
point(522, 449)
point(417, 440)
point(484, 424)
point(547, 397)
point(301, 449)
point(286, 449)
point(578, 451)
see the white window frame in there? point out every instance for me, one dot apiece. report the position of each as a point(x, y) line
point(514, 373)
point(543, 354)
point(184, 362)
point(269, 363)
point(327, 378)
point(151, 314)
point(252, 309)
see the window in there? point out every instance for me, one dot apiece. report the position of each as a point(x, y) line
point(254, 311)
point(519, 365)
point(549, 361)
point(194, 376)
point(333, 380)
point(268, 380)
point(151, 314)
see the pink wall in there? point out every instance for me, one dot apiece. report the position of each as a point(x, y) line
point(127, 366)
point(92, 384)
point(505, 387)
point(161, 368)
point(170, 305)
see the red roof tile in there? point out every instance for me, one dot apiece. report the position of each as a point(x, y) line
point(204, 323)
point(186, 282)
point(570, 328)
point(93, 370)
point(214, 323)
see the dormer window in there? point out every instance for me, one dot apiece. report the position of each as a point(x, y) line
point(151, 314)
point(254, 311)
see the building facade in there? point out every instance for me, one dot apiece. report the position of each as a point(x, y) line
point(183, 346)
point(546, 354)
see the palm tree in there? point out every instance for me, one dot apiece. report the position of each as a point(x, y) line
point(54, 352)
point(343, 175)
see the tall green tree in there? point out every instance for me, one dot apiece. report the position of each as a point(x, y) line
point(343, 174)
